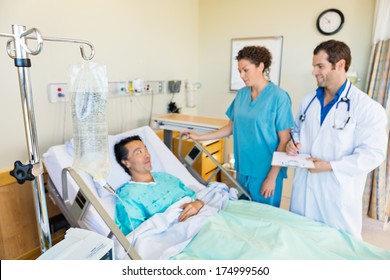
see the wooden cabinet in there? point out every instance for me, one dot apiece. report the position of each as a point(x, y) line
point(203, 164)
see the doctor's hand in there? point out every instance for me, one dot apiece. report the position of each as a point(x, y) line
point(293, 149)
point(190, 209)
point(320, 165)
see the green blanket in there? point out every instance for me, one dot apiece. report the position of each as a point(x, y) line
point(249, 230)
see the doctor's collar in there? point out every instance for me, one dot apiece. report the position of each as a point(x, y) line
point(320, 91)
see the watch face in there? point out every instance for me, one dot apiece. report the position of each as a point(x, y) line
point(330, 21)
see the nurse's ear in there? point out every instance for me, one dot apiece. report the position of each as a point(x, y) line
point(261, 67)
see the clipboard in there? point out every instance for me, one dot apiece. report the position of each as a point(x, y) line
point(300, 161)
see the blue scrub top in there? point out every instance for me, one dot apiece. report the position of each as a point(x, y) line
point(256, 125)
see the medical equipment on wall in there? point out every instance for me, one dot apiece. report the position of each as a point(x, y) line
point(88, 87)
point(81, 244)
point(191, 89)
point(138, 86)
point(353, 76)
point(19, 51)
point(341, 115)
point(174, 86)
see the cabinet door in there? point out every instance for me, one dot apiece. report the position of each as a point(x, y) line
point(17, 221)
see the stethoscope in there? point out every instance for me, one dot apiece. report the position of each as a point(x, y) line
point(344, 99)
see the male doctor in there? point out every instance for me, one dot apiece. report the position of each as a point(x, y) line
point(345, 132)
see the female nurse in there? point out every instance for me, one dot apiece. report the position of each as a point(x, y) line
point(260, 121)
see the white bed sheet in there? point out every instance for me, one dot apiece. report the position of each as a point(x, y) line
point(59, 157)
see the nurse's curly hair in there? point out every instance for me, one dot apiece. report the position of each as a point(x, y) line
point(336, 51)
point(256, 55)
point(121, 152)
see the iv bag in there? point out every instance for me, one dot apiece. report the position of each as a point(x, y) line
point(88, 87)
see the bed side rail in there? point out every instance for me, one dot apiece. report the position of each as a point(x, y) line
point(55, 195)
point(83, 200)
point(194, 153)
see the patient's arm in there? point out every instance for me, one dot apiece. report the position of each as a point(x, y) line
point(190, 209)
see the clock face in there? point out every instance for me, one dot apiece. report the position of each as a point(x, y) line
point(330, 21)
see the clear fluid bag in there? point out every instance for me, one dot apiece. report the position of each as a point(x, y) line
point(88, 87)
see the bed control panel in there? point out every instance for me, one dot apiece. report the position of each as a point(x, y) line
point(192, 155)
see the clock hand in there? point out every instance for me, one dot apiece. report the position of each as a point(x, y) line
point(327, 19)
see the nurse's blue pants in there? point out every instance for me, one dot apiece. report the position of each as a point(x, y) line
point(253, 185)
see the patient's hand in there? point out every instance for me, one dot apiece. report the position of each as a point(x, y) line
point(190, 209)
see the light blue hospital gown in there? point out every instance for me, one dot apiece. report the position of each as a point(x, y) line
point(143, 200)
point(255, 134)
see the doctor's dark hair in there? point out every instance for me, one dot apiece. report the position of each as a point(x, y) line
point(256, 55)
point(336, 50)
point(121, 151)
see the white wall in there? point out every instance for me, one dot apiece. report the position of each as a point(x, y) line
point(162, 40)
point(149, 39)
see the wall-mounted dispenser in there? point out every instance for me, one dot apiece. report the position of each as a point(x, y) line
point(138, 85)
point(191, 97)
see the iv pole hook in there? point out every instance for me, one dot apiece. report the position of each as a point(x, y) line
point(39, 38)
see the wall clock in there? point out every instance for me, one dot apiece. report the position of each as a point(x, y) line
point(330, 21)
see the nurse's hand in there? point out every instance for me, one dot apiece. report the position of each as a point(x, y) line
point(268, 188)
point(320, 165)
point(189, 134)
point(190, 209)
point(293, 149)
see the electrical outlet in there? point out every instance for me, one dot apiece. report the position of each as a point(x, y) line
point(154, 87)
point(58, 92)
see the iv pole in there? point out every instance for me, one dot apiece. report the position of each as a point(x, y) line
point(18, 50)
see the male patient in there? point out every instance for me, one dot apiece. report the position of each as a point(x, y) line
point(147, 193)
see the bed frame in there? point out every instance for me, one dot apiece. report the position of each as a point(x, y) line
point(74, 212)
point(194, 153)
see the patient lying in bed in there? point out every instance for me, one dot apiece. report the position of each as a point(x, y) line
point(148, 192)
point(162, 218)
point(155, 210)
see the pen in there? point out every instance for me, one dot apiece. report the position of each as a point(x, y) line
point(292, 139)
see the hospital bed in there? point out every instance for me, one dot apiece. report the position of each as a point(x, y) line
point(243, 230)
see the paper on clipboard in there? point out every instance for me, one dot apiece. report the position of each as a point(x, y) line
point(282, 159)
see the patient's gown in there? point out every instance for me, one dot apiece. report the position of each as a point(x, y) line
point(143, 200)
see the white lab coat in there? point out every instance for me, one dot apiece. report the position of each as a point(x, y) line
point(335, 197)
